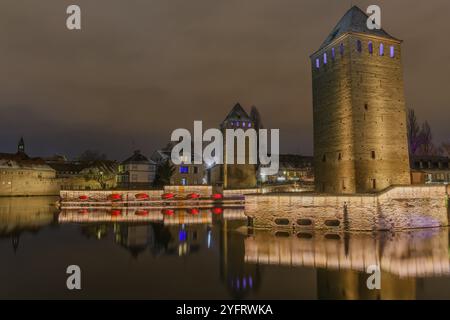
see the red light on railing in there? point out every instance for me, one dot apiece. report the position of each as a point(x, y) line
point(115, 196)
point(83, 197)
point(167, 196)
point(142, 196)
point(168, 212)
point(217, 196)
point(194, 211)
point(217, 210)
point(193, 196)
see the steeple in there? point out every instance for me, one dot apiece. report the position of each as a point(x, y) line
point(354, 21)
point(21, 146)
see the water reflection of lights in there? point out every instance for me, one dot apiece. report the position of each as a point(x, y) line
point(242, 283)
point(182, 249)
point(209, 238)
point(417, 253)
point(167, 216)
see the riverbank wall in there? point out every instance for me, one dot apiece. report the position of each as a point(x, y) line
point(397, 208)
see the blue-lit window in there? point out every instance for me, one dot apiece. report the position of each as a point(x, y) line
point(392, 52)
point(325, 58)
point(317, 63)
point(249, 124)
point(333, 53)
point(359, 45)
point(184, 169)
point(381, 49)
point(182, 235)
point(370, 47)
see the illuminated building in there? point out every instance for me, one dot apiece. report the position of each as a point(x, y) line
point(360, 141)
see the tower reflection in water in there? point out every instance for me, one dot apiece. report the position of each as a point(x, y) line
point(245, 256)
point(341, 260)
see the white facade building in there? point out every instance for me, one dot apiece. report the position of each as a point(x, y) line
point(136, 172)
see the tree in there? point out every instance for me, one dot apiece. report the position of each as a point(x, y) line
point(445, 149)
point(427, 147)
point(97, 175)
point(92, 155)
point(164, 173)
point(414, 138)
point(420, 138)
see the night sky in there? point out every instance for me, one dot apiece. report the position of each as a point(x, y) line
point(141, 68)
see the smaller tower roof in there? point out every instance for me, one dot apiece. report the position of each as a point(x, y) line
point(237, 113)
point(355, 20)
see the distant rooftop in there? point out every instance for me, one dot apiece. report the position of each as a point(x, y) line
point(354, 21)
point(137, 157)
point(21, 159)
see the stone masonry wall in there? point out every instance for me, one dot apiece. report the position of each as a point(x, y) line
point(397, 208)
point(359, 114)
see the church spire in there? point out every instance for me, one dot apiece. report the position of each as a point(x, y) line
point(21, 146)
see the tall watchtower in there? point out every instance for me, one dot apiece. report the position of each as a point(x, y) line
point(234, 175)
point(360, 141)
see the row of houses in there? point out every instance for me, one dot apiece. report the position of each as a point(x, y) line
point(21, 174)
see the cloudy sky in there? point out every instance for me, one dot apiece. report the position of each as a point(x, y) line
point(140, 68)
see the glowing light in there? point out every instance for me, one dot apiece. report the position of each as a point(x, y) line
point(184, 169)
point(381, 49)
point(392, 51)
point(217, 210)
point(194, 211)
point(370, 47)
point(182, 235)
point(217, 196)
point(142, 196)
point(209, 239)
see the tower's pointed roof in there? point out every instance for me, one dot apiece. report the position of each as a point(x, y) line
point(237, 113)
point(355, 20)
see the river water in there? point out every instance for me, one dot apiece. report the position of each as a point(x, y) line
point(207, 255)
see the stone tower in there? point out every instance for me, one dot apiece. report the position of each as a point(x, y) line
point(235, 176)
point(360, 140)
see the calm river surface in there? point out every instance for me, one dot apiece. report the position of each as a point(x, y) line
point(206, 255)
